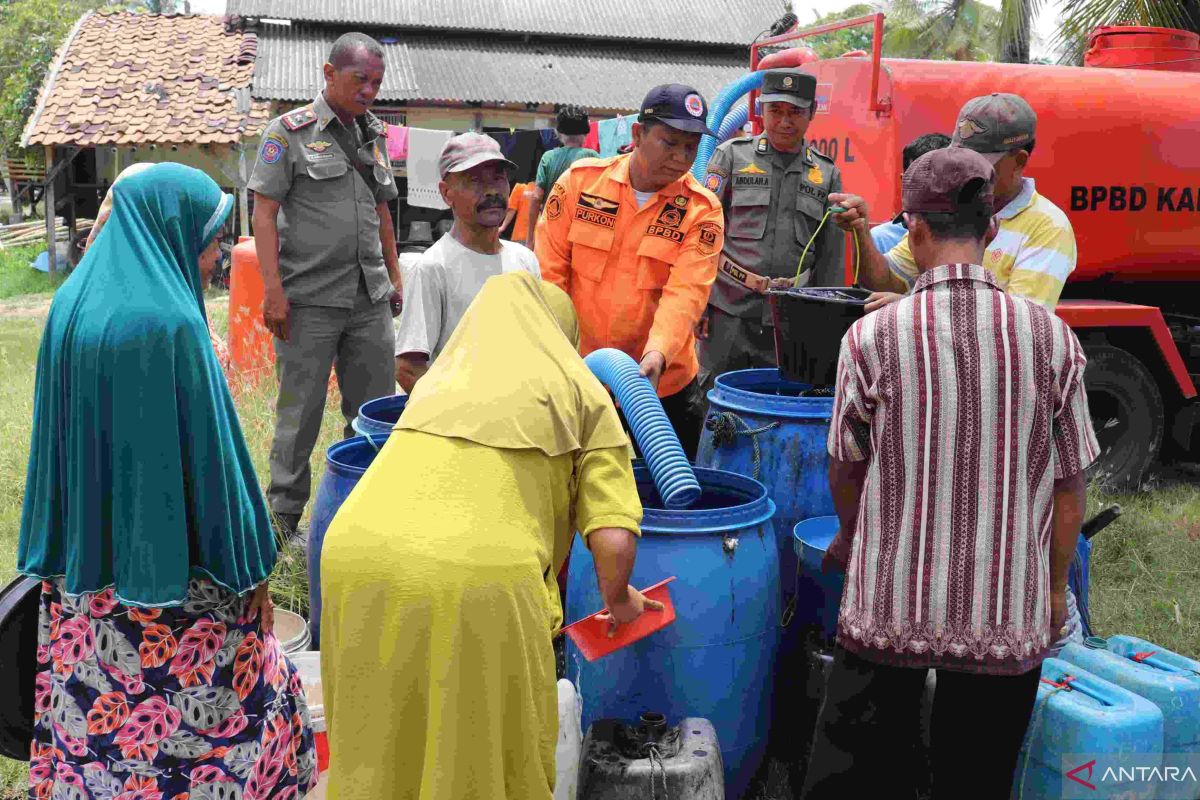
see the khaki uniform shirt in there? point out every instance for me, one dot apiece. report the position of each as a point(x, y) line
point(773, 203)
point(328, 226)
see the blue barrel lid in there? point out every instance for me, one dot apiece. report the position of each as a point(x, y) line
point(351, 457)
point(728, 501)
point(767, 392)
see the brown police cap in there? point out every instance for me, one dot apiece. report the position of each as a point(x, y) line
point(946, 180)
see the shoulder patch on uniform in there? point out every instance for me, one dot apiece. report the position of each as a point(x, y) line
point(300, 118)
point(710, 232)
point(762, 145)
point(714, 181)
point(272, 148)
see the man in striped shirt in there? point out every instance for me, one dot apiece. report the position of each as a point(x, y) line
point(1034, 251)
point(959, 437)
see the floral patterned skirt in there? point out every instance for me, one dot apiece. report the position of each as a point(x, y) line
point(191, 702)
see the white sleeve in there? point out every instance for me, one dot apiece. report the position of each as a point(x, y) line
point(421, 319)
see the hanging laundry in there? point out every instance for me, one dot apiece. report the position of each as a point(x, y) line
point(424, 148)
point(614, 133)
point(397, 142)
point(592, 142)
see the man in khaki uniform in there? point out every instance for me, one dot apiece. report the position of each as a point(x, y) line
point(327, 251)
point(774, 190)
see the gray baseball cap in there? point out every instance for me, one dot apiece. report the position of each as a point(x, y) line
point(470, 150)
point(994, 125)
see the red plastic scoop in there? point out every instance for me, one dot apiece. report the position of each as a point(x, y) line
point(590, 634)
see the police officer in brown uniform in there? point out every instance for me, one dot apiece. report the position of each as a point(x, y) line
point(773, 189)
point(327, 252)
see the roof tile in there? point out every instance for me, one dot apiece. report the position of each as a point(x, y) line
point(138, 78)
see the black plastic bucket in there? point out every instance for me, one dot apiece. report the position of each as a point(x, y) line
point(809, 325)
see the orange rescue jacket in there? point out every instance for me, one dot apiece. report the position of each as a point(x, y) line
point(639, 278)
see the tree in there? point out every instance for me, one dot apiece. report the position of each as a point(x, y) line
point(832, 45)
point(31, 32)
point(956, 30)
point(1081, 17)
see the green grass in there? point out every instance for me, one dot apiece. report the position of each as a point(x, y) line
point(18, 278)
point(1145, 566)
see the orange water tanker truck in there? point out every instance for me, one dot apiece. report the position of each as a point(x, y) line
point(1118, 149)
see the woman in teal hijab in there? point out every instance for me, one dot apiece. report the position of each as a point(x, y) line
point(158, 671)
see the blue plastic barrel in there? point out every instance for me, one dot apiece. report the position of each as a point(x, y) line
point(380, 415)
point(716, 659)
point(1169, 680)
point(759, 425)
point(345, 463)
point(1092, 719)
point(818, 593)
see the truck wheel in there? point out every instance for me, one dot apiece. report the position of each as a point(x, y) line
point(1127, 413)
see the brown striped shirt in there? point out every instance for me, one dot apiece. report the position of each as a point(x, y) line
point(967, 404)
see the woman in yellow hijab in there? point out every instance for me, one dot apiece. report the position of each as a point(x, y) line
point(438, 572)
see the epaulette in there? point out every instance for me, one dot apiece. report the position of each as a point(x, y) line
point(814, 152)
point(300, 118)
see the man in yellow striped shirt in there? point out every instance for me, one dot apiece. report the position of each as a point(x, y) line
point(1034, 251)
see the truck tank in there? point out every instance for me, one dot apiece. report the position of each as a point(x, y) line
point(1116, 149)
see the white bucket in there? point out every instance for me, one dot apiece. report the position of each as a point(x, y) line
point(308, 664)
point(570, 741)
point(292, 632)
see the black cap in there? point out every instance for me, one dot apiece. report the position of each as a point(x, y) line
point(788, 86)
point(679, 106)
point(572, 121)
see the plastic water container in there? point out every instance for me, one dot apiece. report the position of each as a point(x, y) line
point(761, 425)
point(651, 760)
point(345, 463)
point(818, 594)
point(292, 632)
point(1169, 680)
point(309, 666)
point(1092, 718)
point(717, 659)
point(570, 741)
point(379, 415)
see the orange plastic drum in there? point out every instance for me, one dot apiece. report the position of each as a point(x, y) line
point(251, 346)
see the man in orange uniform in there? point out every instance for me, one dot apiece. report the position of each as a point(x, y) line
point(634, 240)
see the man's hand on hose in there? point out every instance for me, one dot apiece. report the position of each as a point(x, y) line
point(653, 364)
point(628, 610)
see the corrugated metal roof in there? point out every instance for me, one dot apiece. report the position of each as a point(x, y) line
point(290, 60)
point(468, 69)
point(721, 22)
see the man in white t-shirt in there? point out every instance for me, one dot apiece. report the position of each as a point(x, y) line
point(440, 285)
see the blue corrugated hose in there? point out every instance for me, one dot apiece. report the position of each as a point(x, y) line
point(717, 112)
point(665, 459)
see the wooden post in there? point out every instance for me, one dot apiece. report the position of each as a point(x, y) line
point(48, 201)
point(243, 194)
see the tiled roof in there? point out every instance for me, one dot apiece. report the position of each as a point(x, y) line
point(719, 22)
point(462, 69)
point(124, 78)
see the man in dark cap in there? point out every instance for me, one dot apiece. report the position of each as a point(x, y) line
point(634, 240)
point(958, 442)
point(572, 126)
point(774, 190)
